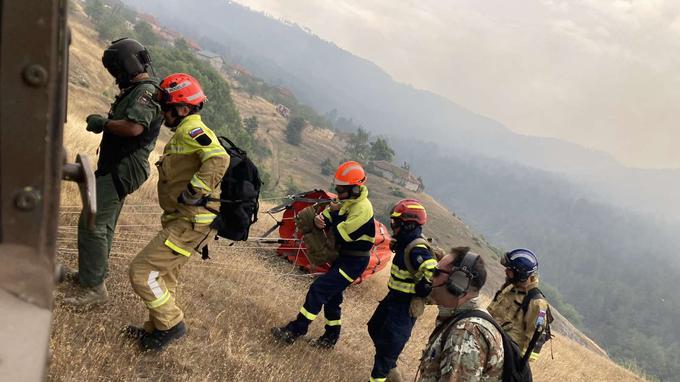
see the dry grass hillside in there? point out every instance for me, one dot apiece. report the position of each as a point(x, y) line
point(232, 301)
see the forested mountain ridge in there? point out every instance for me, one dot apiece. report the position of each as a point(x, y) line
point(329, 78)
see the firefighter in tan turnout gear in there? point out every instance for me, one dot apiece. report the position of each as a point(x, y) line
point(190, 171)
point(519, 306)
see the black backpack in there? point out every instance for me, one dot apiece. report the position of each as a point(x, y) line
point(239, 202)
point(547, 332)
point(514, 368)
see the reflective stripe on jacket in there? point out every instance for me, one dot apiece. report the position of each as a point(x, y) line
point(401, 278)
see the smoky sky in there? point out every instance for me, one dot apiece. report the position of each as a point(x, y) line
point(603, 74)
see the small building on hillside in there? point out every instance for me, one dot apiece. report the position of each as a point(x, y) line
point(152, 21)
point(213, 58)
point(397, 175)
point(168, 36)
point(284, 111)
point(238, 71)
point(192, 44)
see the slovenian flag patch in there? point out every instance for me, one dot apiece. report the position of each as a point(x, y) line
point(196, 132)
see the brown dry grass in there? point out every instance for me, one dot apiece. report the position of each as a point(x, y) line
point(232, 301)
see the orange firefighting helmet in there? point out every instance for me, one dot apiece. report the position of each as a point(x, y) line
point(350, 174)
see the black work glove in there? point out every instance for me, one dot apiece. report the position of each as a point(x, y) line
point(190, 197)
point(96, 123)
point(423, 288)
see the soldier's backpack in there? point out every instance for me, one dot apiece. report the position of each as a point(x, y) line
point(239, 202)
point(514, 368)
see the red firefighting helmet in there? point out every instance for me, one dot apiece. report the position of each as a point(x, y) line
point(409, 210)
point(181, 88)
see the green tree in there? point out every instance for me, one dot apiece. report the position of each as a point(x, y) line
point(145, 33)
point(95, 9)
point(251, 124)
point(357, 147)
point(326, 167)
point(381, 150)
point(181, 44)
point(294, 131)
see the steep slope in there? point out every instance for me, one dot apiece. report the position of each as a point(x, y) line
point(233, 300)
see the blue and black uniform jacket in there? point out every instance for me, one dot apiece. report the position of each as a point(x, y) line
point(401, 279)
point(353, 225)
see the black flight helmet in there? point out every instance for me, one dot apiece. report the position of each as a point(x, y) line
point(125, 59)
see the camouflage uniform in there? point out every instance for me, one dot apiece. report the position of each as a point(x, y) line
point(472, 351)
point(505, 309)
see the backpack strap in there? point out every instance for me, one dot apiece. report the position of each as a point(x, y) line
point(232, 146)
point(531, 294)
point(409, 248)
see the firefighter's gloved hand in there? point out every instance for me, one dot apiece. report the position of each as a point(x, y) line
point(423, 288)
point(319, 222)
point(190, 197)
point(96, 123)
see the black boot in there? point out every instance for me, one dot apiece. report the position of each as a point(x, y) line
point(286, 334)
point(327, 340)
point(159, 339)
point(133, 332)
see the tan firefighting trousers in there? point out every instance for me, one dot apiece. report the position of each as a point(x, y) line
point(154, 271)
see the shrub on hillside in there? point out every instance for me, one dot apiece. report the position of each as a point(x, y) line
point(381, 150)
point(251, 124)
point(327, 167)
point(357, 147)
point(294, 131)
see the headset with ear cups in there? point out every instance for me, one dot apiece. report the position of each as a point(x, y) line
point(461, 276)
point(355, 191)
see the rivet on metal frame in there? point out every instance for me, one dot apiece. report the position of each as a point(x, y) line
point(35, 75)
point(27, 199)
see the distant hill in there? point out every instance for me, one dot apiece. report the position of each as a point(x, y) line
point(327, 77)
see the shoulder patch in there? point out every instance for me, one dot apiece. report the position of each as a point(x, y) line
point(144, 99)
point(200, 136)
point(196, 132)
